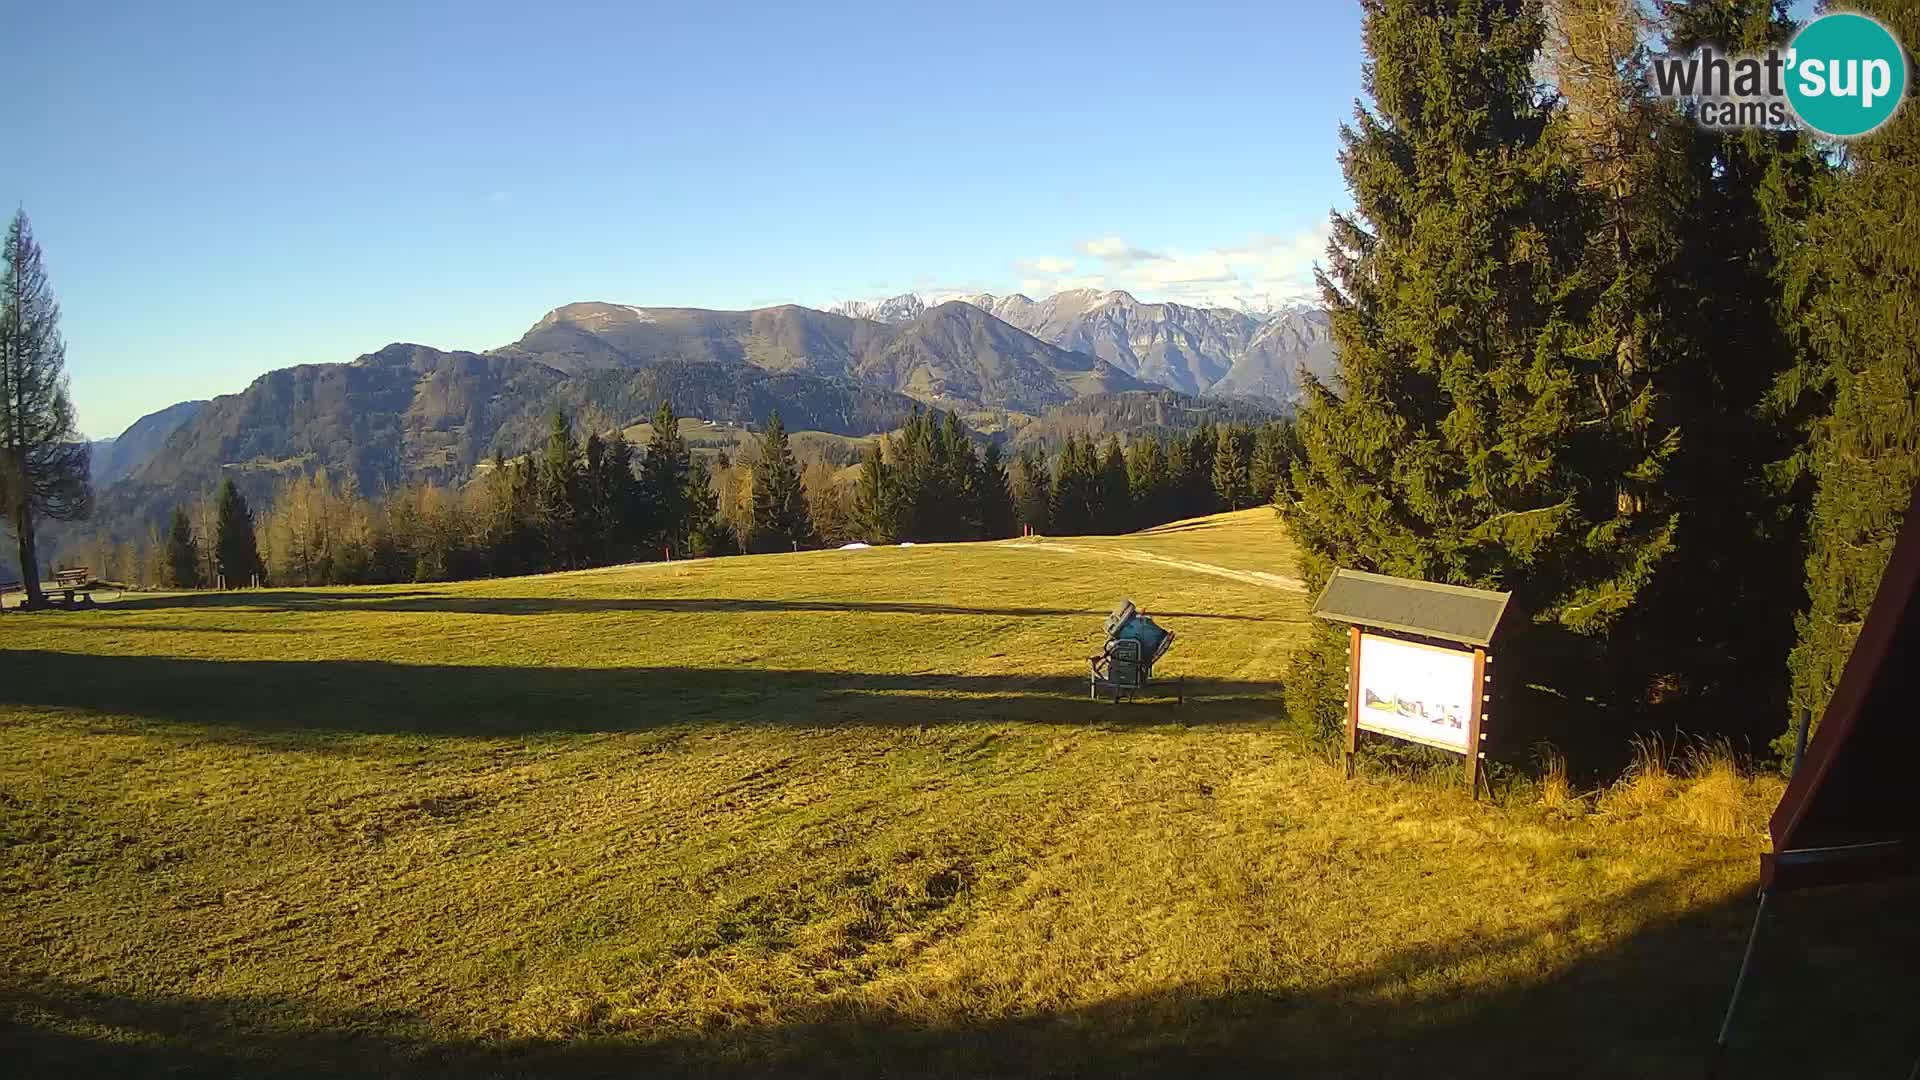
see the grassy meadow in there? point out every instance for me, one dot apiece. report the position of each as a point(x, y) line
point(843, 812)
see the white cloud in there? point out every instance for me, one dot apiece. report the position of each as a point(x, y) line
point(1118, 251)
point(1265, 269)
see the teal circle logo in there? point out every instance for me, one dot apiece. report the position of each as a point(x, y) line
point(1845, 74)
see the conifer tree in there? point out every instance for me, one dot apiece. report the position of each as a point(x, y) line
point(1193, 483)
point(183, 558)
point(1116, 498)
point(1075, 484)
point(1859, 390)
point(1459, 444)
point(665, 472)
point(558, 491)
point(1032, 491)
point(612, 513)
point(1687, 233)
point(995, 496)
point(236, 551)
point(1272, 451)
point(708, 534)
point(780, 519)
point(876, 499)
point(1232, 474)
point(45, 470)
point(1148, 481)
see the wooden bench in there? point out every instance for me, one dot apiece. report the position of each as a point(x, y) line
point(8, 587)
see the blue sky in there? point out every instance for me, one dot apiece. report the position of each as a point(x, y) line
point(248, 186)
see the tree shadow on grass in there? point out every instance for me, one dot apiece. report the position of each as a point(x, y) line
point(440, 602)
point(1832, 994)
point(378, 697)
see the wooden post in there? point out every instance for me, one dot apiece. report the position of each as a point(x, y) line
point(1353, 696)
point(1475, 713)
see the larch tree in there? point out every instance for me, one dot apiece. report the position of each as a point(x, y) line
point(44, 460)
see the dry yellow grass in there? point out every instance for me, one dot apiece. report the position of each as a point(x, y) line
point(834, 812)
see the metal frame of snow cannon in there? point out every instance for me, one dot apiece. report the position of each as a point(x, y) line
point(1123, 668)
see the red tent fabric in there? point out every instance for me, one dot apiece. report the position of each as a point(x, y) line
point(1852, 811)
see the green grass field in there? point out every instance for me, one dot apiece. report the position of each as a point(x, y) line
point(842, 812)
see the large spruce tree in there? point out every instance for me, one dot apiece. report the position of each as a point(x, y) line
point(236, 551)
point(44, 461)
point(876, 499)
point(780, 518)
point(1860, 387)
point(183, 555)
point(1687, 230)
point(665, 473)
point(995, 495)
point(559, 495)
point(1462, 442)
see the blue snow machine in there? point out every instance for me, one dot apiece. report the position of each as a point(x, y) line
point(1124, 667)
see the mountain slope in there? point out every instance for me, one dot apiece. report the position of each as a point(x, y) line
point(117, 457)
point(411, 413)
point(1194, 350)
point(950, 355)
point(956, 353)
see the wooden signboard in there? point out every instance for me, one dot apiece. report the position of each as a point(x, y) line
point(1417, 661)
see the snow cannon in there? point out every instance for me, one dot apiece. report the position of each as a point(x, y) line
point(1124, 667)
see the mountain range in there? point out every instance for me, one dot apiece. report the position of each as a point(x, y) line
point(1221, 351)
point(410, 412)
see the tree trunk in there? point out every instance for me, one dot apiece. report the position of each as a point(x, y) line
point(29, 556)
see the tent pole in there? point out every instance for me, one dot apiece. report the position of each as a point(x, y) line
point(1739, 984)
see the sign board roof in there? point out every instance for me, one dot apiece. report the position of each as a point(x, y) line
point(1448, 612)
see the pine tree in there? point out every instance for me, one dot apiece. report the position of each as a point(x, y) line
point(1032, 491)
point(1857, 392)
point(1273, 451)
point(183, 558)
point(45, 463)
point(1460, 444)
point(708, 534)
point(1116, 497)
point(1193, 483)
point(558, 492)
point(1686, 333)
point(1075, 484)
point(995, 496)
point(956, 474)
point(1150, 482)
point(665, 472)
point(1232, 476)
point(613, 512)
point(876, 499)
point(780, 520)
point(236, 551)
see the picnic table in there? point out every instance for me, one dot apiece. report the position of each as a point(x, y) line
point(77, 579)
point(71, 582)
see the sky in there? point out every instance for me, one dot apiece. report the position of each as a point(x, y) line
point(233, 188)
